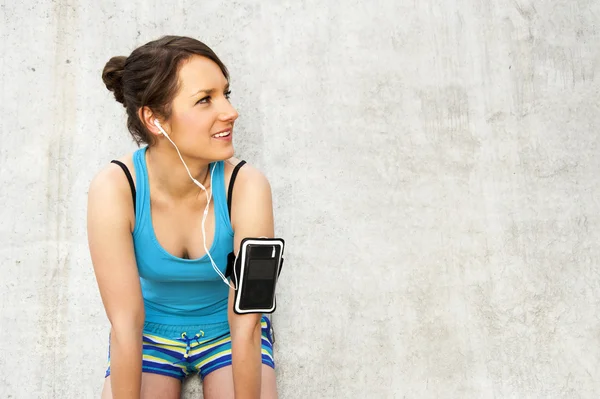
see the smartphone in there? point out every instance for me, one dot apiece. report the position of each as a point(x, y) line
point(260, 264)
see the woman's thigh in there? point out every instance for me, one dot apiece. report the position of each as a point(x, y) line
point(219, 384)
point(154, 386)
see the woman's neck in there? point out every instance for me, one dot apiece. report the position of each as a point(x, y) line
point(169, 174)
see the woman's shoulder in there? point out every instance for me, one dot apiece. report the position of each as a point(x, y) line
point(251, 205)
point(110, 183)
point(112, 174)
point(247, 174)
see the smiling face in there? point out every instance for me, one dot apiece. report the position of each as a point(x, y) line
point(202, 118)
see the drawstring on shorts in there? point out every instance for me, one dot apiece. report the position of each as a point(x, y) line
point(188, 341)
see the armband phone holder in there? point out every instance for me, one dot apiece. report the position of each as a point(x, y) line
point(255, 274)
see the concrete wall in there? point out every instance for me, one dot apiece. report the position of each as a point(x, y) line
point(435, 171)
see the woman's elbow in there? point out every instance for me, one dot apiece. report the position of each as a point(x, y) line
point(127, 325)
point(246, 327)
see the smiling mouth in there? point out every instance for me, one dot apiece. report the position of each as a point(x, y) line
point(226, 133)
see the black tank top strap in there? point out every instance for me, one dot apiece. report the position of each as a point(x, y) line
point(230, 191)
point(129, 178)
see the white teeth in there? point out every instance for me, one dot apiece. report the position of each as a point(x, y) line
point(224, 134)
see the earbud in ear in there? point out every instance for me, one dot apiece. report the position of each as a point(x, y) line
point(157, 124)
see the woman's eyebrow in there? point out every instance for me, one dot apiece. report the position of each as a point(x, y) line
point(208, 91)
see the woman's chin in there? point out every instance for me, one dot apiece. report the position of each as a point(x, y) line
point(223, 154)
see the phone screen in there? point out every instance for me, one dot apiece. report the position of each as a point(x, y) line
point(260, 277)
point(261, 269)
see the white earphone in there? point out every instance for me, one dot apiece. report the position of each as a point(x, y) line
point(157, 124)
point(208, 198)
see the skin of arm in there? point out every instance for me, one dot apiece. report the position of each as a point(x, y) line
point(109, 226)
point(252, 216)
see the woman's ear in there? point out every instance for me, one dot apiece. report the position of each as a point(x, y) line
point(148, 117)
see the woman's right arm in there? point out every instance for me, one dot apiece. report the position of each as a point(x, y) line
point(110, 212)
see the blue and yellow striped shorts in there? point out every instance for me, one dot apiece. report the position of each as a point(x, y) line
point(177, 351)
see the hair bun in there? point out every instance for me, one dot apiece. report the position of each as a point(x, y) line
point(112, 76)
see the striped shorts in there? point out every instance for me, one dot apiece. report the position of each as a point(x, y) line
point(178, 351)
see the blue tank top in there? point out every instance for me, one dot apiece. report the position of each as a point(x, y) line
point(179, 291)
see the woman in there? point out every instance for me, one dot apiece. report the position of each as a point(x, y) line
point(170, 311)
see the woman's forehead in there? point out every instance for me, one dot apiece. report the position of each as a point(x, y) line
point(200, 74)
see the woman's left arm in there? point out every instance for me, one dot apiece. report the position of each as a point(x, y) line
point(252, 216)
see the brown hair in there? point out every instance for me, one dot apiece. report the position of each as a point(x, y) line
point(149, 77)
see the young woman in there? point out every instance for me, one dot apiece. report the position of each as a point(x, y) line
point(161, 222)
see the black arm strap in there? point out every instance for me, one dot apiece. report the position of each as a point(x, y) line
point(230, 192)
point(129, 178)
point(231, 262)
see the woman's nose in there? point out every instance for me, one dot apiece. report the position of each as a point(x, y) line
point(229, 113)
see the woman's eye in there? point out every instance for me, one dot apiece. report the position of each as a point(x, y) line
point(228, 94)
point(203, 100)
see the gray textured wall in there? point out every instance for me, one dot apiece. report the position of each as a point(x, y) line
point(435, 171)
